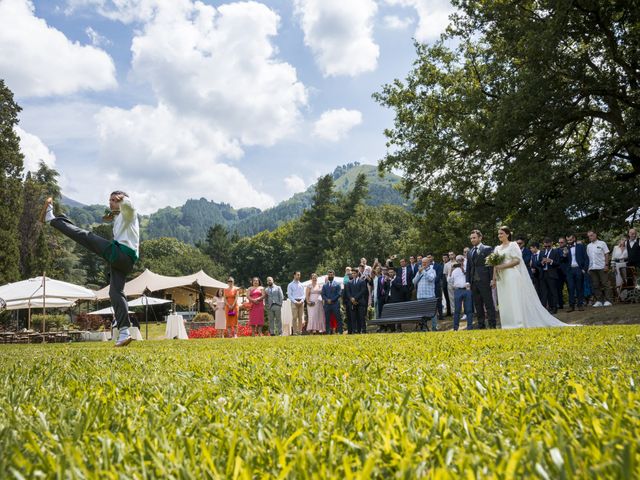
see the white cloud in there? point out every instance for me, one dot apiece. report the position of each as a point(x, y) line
point(164, 159)
point(97, 40)
point(340, 34)
point(219, 87)
point(38, 60)
point(393, 22)
point(220, 65)
point(126, 11)
point(294, 184)
point(34, 151)
point(433, 16)
point(334, 125)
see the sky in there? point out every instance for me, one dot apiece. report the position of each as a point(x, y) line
point(241, 102)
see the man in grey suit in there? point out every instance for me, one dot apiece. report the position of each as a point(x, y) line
point(479, 277)
point(275, 298)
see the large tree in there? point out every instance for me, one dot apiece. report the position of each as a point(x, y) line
point(526, 112)
point(11, 165)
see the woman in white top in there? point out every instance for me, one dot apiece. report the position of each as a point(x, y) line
point(315, 313)
point(220, 316)
point(619, 258)
point(520, 305)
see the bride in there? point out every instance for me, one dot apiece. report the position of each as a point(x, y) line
point(518, 300)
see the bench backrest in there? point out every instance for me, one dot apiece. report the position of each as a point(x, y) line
point(412, 309)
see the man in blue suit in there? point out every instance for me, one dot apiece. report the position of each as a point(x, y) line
point(439, 268)
point(359, 298)
point(331, 300)
point(404, 275)
point(549, 265)
point(526, 253)
point(346, 301)
point(575, 263)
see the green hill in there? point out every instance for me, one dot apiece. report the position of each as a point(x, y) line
point(190, 222)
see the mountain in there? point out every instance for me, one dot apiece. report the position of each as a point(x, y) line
point(190, 222)
point(70, 202)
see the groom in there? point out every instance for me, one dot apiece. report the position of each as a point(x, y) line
point(479, 277)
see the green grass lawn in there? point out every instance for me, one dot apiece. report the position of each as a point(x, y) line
point(554, 403)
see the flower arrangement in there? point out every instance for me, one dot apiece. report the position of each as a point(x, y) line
point(494, 259)
point(211, 332)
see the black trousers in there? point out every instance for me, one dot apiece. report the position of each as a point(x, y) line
point(448, 301)
point(359, 313)
point(406, 293)
point(549, 289)
point(562, 281)
point(120, 266)
point(483, 299)
point(348, 313)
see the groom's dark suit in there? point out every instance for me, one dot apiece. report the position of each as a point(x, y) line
point(479, 276)
point(549, 278)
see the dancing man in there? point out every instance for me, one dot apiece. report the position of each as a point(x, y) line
point(121, 252)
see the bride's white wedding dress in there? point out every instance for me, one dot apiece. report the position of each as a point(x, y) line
point(519, 304)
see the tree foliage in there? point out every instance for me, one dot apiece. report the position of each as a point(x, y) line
point(532, 119)
point(11, 165)
point(170, 256)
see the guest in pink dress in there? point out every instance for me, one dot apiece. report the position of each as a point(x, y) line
point(315, 312)
point(256, 313)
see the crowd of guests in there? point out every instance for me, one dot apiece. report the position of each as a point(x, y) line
point(582, 268)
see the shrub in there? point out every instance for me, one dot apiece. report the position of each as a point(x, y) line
point(92, 322)
point(203, 317)
point(52, 322)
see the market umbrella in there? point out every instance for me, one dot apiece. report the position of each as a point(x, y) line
point(41, 289)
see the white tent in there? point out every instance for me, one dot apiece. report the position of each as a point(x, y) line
point(144, 301)
point(35, 292)
point(44, 288)
point(148, 281)
point(322, 280)
point(37, 303)
point(104, 311)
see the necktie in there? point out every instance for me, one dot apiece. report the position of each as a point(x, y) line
point(473, 252)
point(404, 276)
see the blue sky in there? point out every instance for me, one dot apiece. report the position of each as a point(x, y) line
point(238, 102)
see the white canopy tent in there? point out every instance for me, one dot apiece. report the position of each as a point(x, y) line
point(148, 281)
point(44, 288)
point(322, 280)
point(37, 303)
point(104, 311)
point(145, 301)
point(35, 292)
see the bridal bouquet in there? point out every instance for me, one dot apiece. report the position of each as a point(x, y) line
point(494, 260)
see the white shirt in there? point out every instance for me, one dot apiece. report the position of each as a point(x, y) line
point(125, 226)
point(596, 252)
point(574, 262)
point(447, 268)
point(295, 290)
point(459, 278)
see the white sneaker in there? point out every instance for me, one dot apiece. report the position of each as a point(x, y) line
point(597, 304)
point(607, 304)
point(464, 317)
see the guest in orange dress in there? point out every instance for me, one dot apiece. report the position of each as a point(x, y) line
point(256, 314)
point(231, 307)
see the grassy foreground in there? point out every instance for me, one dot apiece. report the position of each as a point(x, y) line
point(554, 403)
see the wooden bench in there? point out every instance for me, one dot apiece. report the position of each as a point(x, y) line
point(407, 312)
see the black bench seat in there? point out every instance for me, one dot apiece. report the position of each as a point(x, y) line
point(407, 312)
